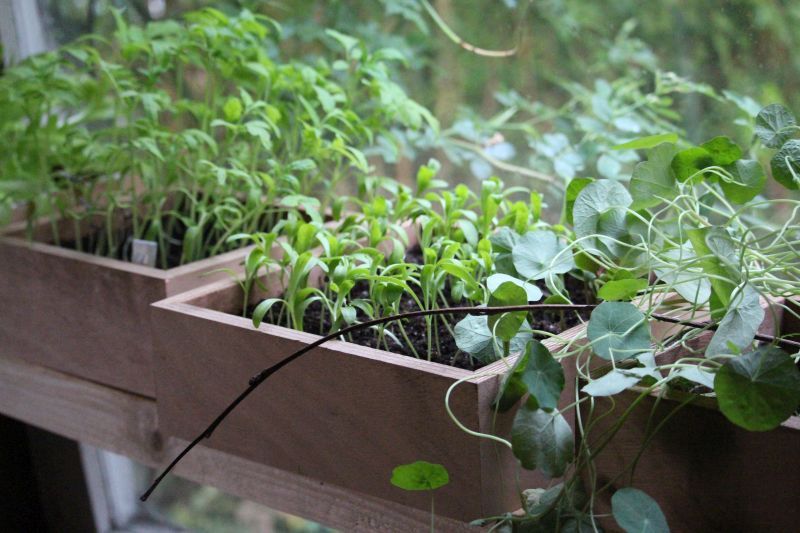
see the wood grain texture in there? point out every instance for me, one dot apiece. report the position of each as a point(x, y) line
point(127, 424)
point(344, 414)
point(706, 473)
point(89, 316)
point(85, 315)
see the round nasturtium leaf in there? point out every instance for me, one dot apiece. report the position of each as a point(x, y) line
point(420, 475)
point(750, 180)
point(506, 325)
point(786, 165)
point(758, 390)
point(618, 330)
point(539, 253)
point(723, 150)
point(543, 375)
point(599, 214)
point(774, 125)
point(494, 281)
point(653, 180)
point(574, 188)
point(636, 512)
point(473, 336)
point(542, 440)
point(689, 163)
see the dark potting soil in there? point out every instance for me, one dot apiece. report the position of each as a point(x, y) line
point(445, 350)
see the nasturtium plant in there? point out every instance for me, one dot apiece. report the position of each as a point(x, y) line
point(738, 327)
point(618, 331)
point(614, 382)
point(717, 257)
point(473, 336)
point(512, 388)
point(506, 325)
point(533, 292)
point(758, 390)
point(542, 440)
point(651, 141)
point(600, 212)
point(541, 253)
point(653, 181)
point(696, 161)
point(775, 125)
point(777, 128)
point(747, 180)
point(574, 187)
point(636, 512)
point(681, 274)
point(622, 289)
point(542, 375)
point(420, 475)
point(786, 165)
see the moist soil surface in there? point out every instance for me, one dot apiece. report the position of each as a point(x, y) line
point(445, 351)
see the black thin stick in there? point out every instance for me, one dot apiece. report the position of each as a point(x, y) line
point(262, 376)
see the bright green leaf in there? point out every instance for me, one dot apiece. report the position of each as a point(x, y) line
point(688, 163)
point(232, 109)
point(506, 325)
point(574, 188)
point(262, 309)
point(623, 289)
point(495, 280)
point(723, 150)
point(650, 141)
point(420, 475)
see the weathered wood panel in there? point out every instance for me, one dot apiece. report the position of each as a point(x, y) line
point(86, 315)
point(127, 424)
point(344, 414)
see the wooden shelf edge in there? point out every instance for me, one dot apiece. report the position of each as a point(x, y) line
point(127, 424)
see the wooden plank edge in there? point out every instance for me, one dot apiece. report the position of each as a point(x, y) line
point(127, 424)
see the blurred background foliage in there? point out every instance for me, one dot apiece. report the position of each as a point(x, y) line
point(585, 75)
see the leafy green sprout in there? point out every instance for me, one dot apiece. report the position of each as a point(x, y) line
point(419, 476)
point(190, 160)
point(679, 241)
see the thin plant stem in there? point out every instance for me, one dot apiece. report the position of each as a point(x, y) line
point(264, 374)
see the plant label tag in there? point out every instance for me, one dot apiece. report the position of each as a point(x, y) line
point(144, 252)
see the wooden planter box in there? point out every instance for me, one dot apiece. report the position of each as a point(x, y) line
point(86, 315)
point(343, 414)
point(706, 473)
